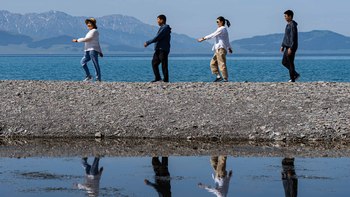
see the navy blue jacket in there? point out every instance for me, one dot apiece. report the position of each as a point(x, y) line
point(290, 39)
point(162, 39)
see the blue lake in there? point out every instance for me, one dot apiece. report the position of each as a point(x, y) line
point(136, 176)
point(182, 68)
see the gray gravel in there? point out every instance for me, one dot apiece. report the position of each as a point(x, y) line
point(225, 111)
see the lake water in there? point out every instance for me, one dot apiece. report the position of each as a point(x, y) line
point(146, 176)
point(189, 68)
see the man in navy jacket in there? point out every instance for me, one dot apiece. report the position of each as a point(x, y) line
point(290, 45)
point(161, 48)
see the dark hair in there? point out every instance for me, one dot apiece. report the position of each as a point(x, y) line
point(225, 21)
point(289, 13)
point(92, 21)
point(162, 17)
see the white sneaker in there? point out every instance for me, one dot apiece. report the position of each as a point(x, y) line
point(89, 78)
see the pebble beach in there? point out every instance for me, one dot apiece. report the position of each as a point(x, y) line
point(289, 112)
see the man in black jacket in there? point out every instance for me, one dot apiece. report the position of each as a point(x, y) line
point(290, 45)
point(162, 49)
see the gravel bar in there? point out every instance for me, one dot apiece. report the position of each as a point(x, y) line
point(288, 112)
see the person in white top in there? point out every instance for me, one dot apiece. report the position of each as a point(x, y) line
point(92, 179)
point(221, 177)
point(92, 49)
point(221, 47)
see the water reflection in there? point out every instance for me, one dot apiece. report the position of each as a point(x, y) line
point(190, 176)
point(162, 177)
point(289, 178)
point(92, 177)
point(221, 177)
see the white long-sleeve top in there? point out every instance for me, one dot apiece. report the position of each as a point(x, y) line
point(222, 40)
point(91, 41)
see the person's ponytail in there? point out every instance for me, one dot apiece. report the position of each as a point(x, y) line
point(225, 21)
point(228, 23)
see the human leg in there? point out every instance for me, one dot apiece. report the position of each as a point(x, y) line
point(288, 62)
point(214, 65)
point(94, 167)
point(221, 169)
point(86, 165)
point(155, 65)
point(94, 57)
point(163, 56)
point(84, 62)
point(221, 57)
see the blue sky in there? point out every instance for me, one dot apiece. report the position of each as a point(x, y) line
point(196, 18)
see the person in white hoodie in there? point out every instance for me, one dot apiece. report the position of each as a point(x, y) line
point(221, 47)
point(92, 49)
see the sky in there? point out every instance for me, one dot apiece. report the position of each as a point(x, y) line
point(197, 18)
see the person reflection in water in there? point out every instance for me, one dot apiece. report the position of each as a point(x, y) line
point(221, 177)
point(289, 178)
point(93, 177)
point(162, 177)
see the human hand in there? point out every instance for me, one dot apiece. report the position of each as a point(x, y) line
point(145, 44)
point(146, 182)
point(290, 51)
point(74, 40)
point(101, 54)
point(230, 50)
point(282, 49)
point(200, 39)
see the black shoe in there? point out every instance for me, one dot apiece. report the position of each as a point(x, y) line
point(297, 77)
point(156, 80)
point(218, 79)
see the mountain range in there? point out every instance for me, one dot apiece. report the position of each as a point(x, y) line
point(52, 32)
point(317, 41)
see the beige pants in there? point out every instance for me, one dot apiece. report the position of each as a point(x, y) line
point(219, 165)
point(219, 62)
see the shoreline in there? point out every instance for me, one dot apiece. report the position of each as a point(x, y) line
point(60, 147)
point(290, 112)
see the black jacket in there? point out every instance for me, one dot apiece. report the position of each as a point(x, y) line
point(290, 39)
point(162, 39)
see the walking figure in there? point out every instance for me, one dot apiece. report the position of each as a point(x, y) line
point(221, 46)
point(161, 49)
point(92, 49)
point(290, 45)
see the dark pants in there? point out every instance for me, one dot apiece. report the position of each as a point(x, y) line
point(289, 178)
point(288, 62)
point(91, 170)
point(160, 57)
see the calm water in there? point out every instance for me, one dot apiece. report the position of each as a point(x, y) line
point(182, 68)
point(181, 177)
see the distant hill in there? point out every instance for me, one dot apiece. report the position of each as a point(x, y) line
point(7, 38)
point(52, 32)
point(309, 42)
point(117, 32)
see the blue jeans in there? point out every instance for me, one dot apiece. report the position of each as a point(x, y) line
point(91, 170)
point(91, 55)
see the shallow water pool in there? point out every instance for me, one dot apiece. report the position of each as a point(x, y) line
point(174, 176)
